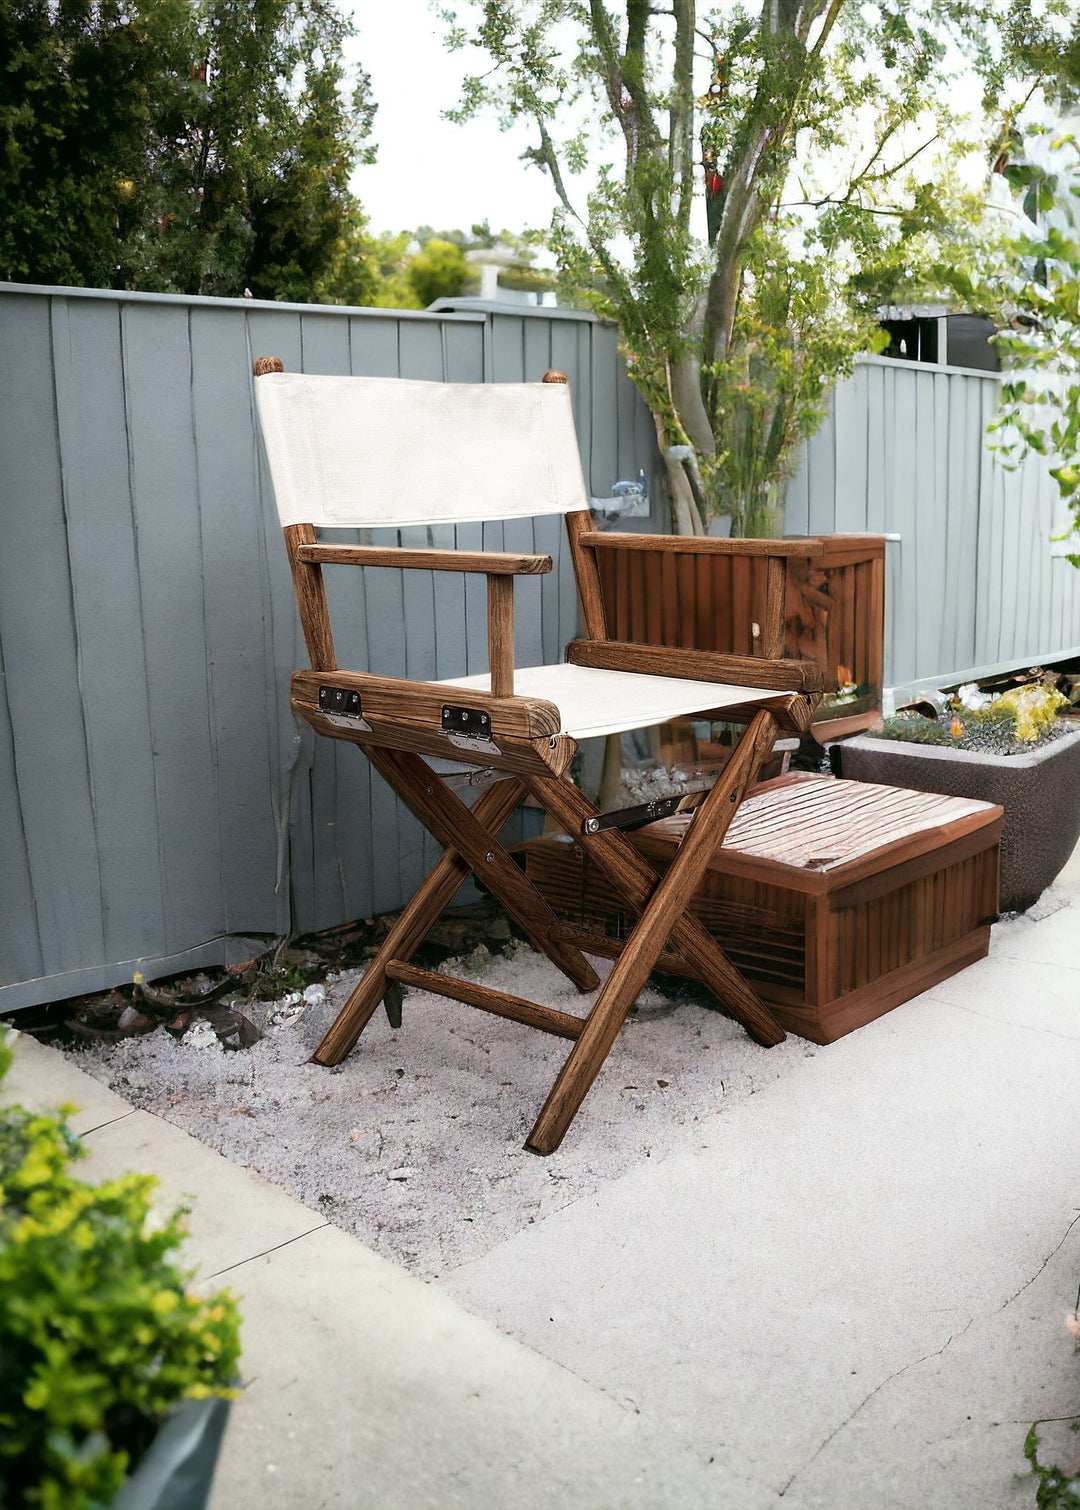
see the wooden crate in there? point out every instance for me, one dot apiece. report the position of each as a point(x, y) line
point(835, 613)
point(837, 899)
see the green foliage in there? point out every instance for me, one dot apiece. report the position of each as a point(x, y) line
point(438, 271)
point(191, 146)
point(735, 339)
point(1056, 1490)
point(1021, 719)
point(1034, 289)
point(98, 1335)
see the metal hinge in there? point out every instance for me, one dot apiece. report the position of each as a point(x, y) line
point(341, 706)
point(627, 818)
point(468, 729)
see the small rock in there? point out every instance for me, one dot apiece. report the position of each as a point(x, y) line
point(314, 996)
point(401, 1174)
point(131, 1020)
point(201, 1036)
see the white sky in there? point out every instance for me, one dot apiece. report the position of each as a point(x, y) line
point(430, 171)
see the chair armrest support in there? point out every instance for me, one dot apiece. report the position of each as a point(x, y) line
point(490, 563)
point(698, 665)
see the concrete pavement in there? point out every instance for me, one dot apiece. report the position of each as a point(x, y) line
point(847, 1291)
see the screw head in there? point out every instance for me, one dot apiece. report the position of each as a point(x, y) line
point(489, 857)
point(592, 825)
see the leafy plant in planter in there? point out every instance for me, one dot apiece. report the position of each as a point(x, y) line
point(1007, 724)
point(99, 1337)
point(1010, 749)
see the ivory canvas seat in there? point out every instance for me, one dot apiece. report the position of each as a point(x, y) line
point(593, 703)
point(392, 453)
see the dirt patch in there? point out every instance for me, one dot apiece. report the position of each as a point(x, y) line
point(414, 1143)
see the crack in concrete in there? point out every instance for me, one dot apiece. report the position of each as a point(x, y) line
point(1052, 1254)
point(111, 1122)
point(937, 1352)
point(1005, 1022)
point(240, 1262)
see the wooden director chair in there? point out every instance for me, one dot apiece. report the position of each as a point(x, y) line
point(373, 452)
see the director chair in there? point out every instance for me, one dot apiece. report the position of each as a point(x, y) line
point(375, 452)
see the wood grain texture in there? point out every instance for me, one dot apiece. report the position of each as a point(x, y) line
point(578, 525)
point(547, 1019)
point(697, 665)
point(310, 599)
point(833, 613)
point(664, 910)
point(536, 757)
point(488, 563)
point(457, 827)
point(772, 636)
point(698, 545)
point(422, 702)
point(409, 930)
point(634, 879)
point(891, 900)
point(500, 608)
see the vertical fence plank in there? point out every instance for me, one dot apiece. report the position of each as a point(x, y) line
point(161, 447)
point(107, 604)
point(57, 924)
point(278, 333)
point(236, 598)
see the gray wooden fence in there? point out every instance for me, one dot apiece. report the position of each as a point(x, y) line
point(156, 793)
point(158, 802)
point(971, 583)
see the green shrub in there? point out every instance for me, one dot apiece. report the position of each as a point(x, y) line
point(1056, 1490)
point(98, 1333)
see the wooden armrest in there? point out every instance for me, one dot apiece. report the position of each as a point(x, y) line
point(491, 563)
point(700, 545)
point(698, 665)
point(408, 702)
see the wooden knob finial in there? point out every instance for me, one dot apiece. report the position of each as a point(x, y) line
point(263, 365)
point(551, 376)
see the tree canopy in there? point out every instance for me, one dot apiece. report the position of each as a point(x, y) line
point(191, 146)
point(823, 140)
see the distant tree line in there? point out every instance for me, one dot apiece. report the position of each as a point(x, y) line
point(187, 146)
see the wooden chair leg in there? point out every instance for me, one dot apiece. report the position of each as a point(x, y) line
point(668, 902)
point(457, 827)
point(492, 810)
point(632, 876)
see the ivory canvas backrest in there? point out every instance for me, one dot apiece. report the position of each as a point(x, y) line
point(391, 452)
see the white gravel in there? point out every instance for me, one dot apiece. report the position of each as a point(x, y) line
point(415, 1142)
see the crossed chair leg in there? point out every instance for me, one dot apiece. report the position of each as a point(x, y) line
point(469, 838)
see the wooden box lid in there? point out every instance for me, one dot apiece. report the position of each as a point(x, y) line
point(817, 834)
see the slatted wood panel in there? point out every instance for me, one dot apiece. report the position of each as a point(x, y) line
point(834, 612)
point(839, 900)
point(157, 792)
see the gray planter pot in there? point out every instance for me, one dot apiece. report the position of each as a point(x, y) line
point(176, 1470)
point(1039, 791)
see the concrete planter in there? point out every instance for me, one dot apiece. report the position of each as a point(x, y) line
point(1039, 791)
point(176, 1470)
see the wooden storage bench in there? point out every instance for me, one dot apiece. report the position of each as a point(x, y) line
point(838, 899)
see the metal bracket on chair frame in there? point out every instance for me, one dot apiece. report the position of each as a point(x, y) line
point(341, 706)
point(628, 818)
point(468, 728)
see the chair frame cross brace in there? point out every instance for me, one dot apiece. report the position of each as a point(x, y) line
point(402, 721)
